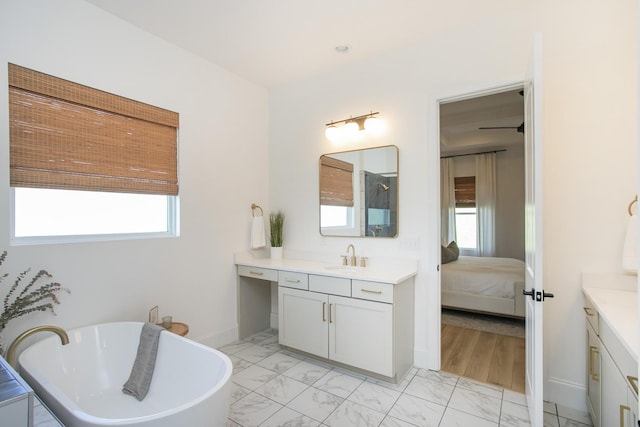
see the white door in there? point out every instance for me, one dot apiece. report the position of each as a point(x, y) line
point(533, 236)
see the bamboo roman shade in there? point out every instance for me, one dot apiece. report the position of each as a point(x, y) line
point(465, 190)
point(336, 182)
point(64, 135)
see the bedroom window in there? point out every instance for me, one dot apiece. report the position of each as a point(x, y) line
point(87, 165)
point(466, 213)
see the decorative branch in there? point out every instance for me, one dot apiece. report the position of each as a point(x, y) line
point(28, 300)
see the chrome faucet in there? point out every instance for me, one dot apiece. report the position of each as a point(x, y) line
point(11, 352)
point(352, 258)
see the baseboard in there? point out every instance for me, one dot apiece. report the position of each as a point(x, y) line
point(219, 339)
point(566, 393)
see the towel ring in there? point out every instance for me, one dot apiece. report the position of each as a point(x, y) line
point(253, 209)
point(634, 201)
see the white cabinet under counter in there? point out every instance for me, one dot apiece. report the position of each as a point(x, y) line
point(611, 317)
point(358, 318)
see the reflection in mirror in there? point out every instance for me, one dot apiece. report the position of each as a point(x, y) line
point(359, 193)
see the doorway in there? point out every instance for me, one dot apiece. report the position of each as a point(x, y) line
point(482, 266)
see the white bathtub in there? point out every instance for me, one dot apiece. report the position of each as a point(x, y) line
point(82, 382)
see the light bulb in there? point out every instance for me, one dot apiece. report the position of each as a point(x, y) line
point(373, 125)
point(332, 133)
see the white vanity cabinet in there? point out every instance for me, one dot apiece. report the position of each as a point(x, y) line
point(302, 320)
point(358, 317)
point(612, 369)
point(344, 321)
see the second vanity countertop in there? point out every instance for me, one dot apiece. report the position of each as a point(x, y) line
point(619, 308)
point(393, 273)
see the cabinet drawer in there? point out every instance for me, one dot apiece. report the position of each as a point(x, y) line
point(374, 291)
point(330, 285)
point(290, 279)
point(258, 273)
point(591, 314)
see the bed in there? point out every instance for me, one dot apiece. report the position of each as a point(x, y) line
point(484, 284)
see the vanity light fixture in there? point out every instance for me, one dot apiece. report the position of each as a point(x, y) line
point(350, 128)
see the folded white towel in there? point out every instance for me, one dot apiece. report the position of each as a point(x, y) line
point(258, 239)
point(630, 248)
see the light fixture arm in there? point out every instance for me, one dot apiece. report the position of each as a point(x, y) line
point(357, 119)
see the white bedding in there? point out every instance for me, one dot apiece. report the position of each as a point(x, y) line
point(483, 275)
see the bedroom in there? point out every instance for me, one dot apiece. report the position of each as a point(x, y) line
point(482, 302)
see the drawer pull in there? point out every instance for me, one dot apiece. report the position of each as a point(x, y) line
point(256, 273)
point(622, 418)
point(292, 280)
point(634, 382)
point(371, 292)
point(324, 306)
point(589, 311)
point(592, 370)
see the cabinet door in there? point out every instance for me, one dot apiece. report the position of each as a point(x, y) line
point(632, 412)
point(614, 393)
point(361, 334)
point(302, 320)
point(593, 375)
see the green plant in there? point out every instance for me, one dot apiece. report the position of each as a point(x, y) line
point(30, 299)
point(276, 226)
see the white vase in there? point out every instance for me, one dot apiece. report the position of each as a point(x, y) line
point(276, 253)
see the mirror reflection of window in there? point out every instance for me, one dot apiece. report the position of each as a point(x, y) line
point(336, 217)
point(359, 193)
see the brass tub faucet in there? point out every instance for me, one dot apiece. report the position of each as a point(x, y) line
point(11, 352)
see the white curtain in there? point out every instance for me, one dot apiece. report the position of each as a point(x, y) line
point(447, 202)
point(486, 203)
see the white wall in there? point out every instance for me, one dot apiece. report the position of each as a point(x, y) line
point(222, 171)
point(589, 165)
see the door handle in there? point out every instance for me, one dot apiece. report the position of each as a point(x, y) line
point(592, 361)
point(623, 408)
point(537, 295)
point(531, 293)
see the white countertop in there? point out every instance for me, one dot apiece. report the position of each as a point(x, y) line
point(619, 308)
point(392, 273)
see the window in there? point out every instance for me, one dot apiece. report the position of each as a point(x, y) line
point(336, 216)
point(102, 164)
point(336, 195)
point(466, 214)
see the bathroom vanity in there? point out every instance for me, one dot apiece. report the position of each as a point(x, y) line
point(611, 321)
point(358, 317)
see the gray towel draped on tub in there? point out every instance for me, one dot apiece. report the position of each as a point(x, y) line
point(142, 371)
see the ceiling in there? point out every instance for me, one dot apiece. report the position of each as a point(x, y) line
point(460, 123)
point(274, 42)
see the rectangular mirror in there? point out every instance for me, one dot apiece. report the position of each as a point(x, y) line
point(359, 193)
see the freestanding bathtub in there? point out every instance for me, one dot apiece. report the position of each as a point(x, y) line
point(82, 382)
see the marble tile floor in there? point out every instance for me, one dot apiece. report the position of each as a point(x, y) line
point(273, 387)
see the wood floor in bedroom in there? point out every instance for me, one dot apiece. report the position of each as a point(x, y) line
point(484, 356)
